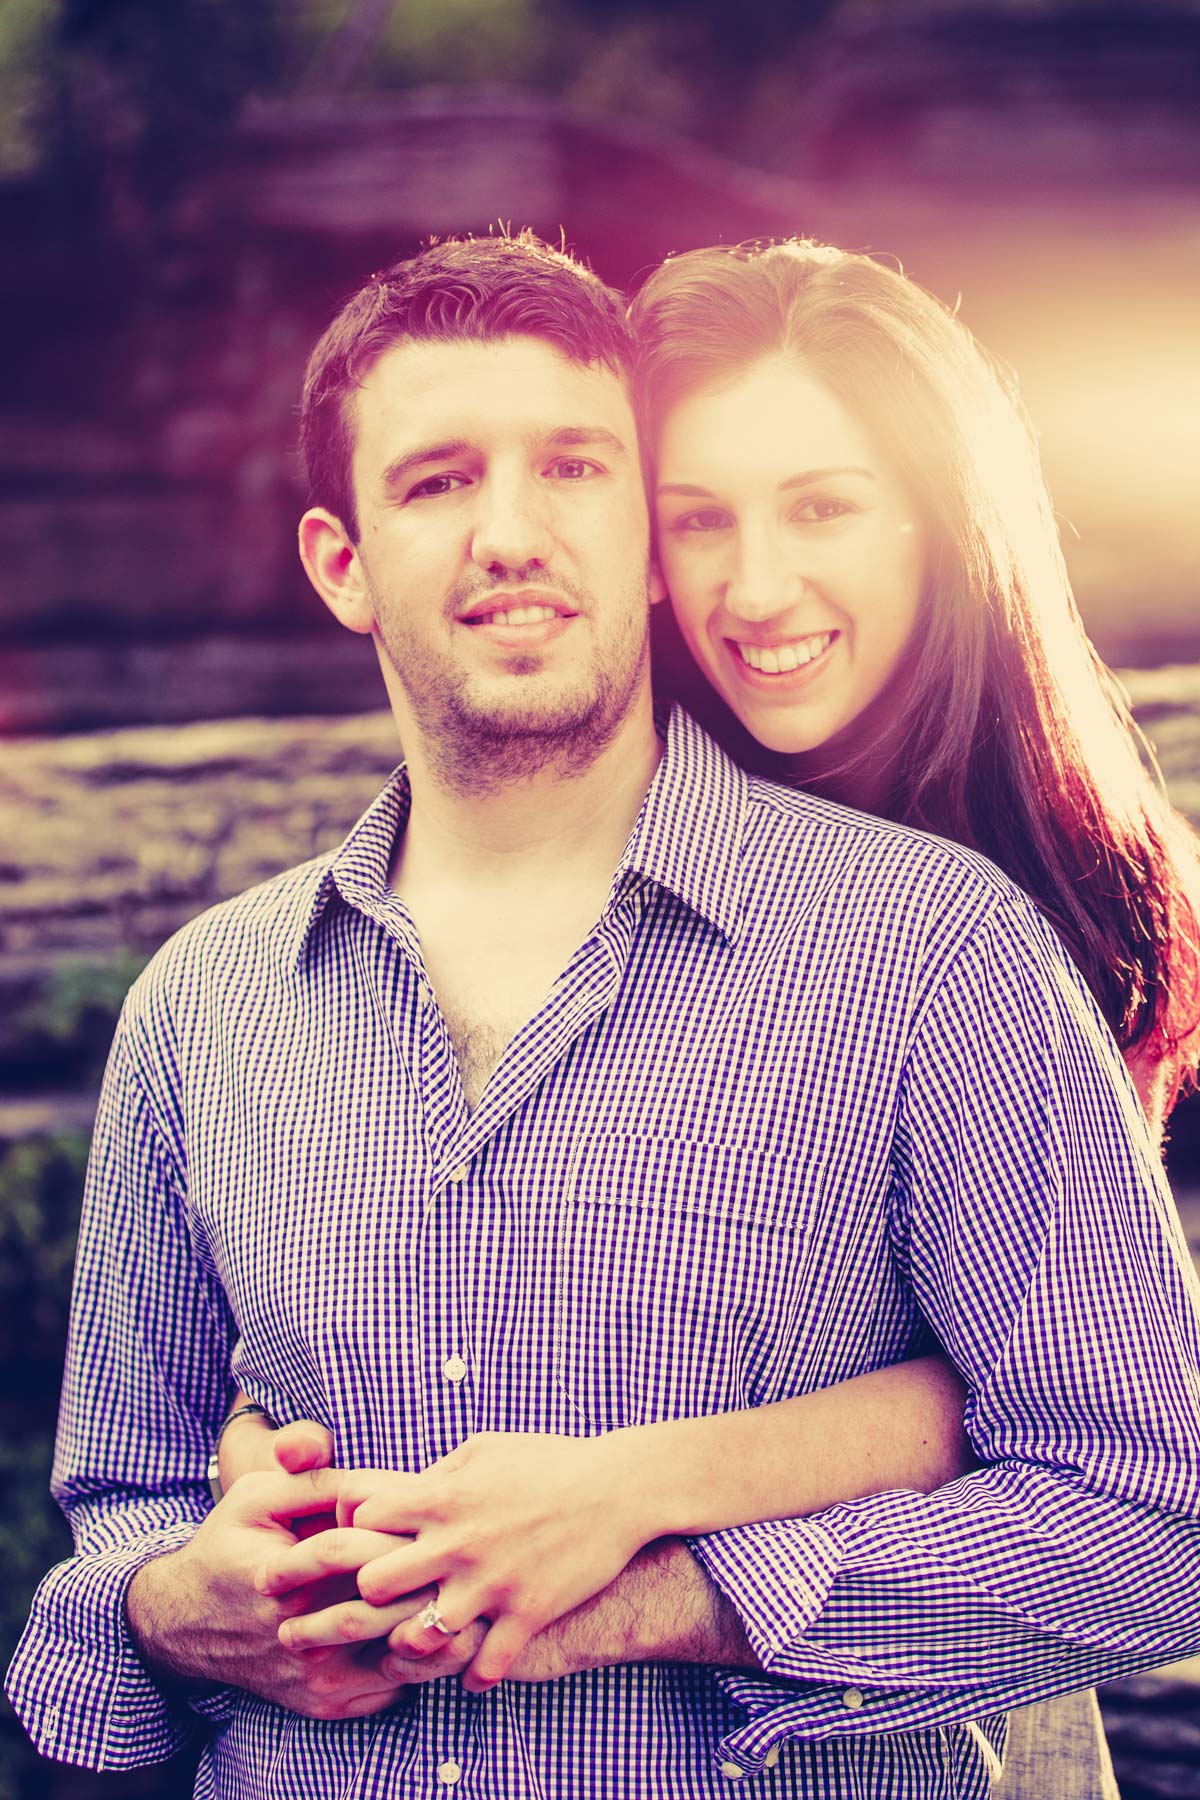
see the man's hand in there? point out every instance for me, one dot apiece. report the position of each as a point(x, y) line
point(197, 1614)
point(249, 1446)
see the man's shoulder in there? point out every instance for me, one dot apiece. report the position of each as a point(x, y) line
point(252, 936)
point(854, 847)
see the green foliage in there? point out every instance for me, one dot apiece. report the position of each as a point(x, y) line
point(57, 1031)
point(145, 90)
point(466, 40)
point(41, 1181)
point(27, 33)
point(40, 1184)
point(75, 994)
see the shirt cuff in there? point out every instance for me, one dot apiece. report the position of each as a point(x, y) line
point(777, 1575)
point(77, 1682)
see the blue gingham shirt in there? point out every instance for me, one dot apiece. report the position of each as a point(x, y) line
point(815, 1091)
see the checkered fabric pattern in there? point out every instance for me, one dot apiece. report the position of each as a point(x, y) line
point(815, 1092)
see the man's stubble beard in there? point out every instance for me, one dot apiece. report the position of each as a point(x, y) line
point(475, 748)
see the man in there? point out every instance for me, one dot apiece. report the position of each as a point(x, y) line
point(531, 1108)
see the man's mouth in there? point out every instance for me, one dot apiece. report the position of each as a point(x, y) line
point(514, 611)
point(784, 657)
point(516, 615)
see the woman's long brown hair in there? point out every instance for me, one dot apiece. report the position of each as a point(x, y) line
point(1003, 730)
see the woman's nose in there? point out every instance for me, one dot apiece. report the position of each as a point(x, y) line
point(762, 583)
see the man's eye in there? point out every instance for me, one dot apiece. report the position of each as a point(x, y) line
point(433, 485)
point(820, 509)
point(573, 468)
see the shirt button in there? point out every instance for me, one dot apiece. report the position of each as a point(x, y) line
point(772, 1757)
point(732, 1771)
point(454, 1368)
point(458, 1174)
point(853, 1698)
point(449, 1772)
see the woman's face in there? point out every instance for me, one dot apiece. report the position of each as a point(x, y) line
point(794, 554)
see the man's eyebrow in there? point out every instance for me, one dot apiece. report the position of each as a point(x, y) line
point(804, 479)
point(427, 453)
point(574, 437)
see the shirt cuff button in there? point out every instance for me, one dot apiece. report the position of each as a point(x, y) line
point(772, 1757)
point(732, 1771)
point(853, 1698)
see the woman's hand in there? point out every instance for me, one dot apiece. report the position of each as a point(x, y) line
point(515, 1528)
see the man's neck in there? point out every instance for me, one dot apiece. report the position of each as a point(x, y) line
point(510, 834)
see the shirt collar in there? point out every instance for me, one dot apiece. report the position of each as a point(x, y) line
point(358, 870)
point(687, 837)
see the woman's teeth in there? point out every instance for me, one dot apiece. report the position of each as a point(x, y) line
point(518, 615)
point(783, 658)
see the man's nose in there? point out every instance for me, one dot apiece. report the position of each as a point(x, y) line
point(762, 581)
point(511, 526)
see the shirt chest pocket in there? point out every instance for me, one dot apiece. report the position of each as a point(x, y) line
point(679, 1278)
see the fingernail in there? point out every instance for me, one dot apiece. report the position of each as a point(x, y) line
point(260, 1579)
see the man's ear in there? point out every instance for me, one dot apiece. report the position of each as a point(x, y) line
point(335, 568)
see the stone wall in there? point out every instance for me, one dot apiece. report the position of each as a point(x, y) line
point(111, 840)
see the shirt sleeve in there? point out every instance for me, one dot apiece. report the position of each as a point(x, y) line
point(146, 1381)
point(1031, 1217)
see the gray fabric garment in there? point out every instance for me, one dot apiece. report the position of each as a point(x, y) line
point(1057, 1751)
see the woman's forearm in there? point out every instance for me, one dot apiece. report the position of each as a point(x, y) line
point(899, 1427)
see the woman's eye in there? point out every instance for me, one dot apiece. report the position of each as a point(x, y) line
point(434, 485)
point(708, 518)
point(819, 509)
point(573, 468)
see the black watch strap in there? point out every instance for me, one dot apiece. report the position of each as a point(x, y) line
point(214, 1466)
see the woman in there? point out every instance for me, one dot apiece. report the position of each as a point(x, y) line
point(862, 562)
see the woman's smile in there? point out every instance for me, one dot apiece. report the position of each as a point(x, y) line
point(785, 662)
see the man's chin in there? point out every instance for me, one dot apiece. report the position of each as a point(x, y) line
point(538, 712)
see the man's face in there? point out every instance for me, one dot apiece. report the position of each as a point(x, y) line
point(505, 542)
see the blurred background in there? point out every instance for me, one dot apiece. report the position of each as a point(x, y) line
point(187, 193)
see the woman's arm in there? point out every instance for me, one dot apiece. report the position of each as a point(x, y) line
point(520, 1528)
point(899, 1427)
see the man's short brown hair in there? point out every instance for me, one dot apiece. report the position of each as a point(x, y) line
point(460, 290)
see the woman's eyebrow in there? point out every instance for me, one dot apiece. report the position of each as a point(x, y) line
point(804, 479)
point(810, 475)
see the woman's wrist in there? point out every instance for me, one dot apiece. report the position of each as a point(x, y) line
point(652, 1469)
